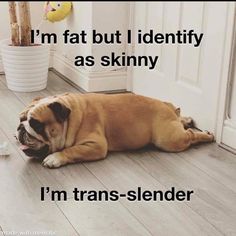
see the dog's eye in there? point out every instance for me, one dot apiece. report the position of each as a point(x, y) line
point(38, 127)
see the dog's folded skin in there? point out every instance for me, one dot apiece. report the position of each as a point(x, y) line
point(73, 127)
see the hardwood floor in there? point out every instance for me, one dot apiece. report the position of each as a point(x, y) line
point(207, 169)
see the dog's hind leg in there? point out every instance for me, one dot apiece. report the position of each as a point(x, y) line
point(177, 139)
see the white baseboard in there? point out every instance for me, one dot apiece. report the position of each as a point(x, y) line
point(229, 134)
point(90, 81)
point(51, 58)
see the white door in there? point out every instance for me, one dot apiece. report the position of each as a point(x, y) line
point(229, 124)
point(185, 75)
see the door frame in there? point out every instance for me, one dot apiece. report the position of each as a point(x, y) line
point(227, 75)
point(130, 47)
point(223, 98)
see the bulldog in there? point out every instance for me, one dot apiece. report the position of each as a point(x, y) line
point(71, 127)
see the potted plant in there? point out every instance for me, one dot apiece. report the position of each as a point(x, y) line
point(25, 64)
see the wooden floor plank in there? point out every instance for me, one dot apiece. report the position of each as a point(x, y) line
point(212, 200)
point(216, 162)
point(56, 85)
point(123, 174)
point(2, 85)
point(102, 218)
point(3, 80)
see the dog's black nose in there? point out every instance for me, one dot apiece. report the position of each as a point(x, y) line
point(21, 133)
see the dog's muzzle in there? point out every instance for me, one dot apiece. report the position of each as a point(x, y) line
point(23, 137)
point(21, 134)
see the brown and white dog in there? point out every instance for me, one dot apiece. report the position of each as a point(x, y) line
point(72, 127)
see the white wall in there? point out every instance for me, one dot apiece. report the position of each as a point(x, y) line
point(80, 19)
point(104, 17)
point(107, 18)
point(36, 17)
point(5, 28)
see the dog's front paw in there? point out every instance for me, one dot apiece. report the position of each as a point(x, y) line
point(54, 160)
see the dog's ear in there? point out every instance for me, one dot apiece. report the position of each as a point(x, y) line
point(60, 111)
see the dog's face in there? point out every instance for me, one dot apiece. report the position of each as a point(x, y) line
point(43, 126)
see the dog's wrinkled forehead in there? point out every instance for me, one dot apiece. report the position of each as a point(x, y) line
point(49, 109)
point(41, 110)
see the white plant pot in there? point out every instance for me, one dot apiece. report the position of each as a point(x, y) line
point(26, 68)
